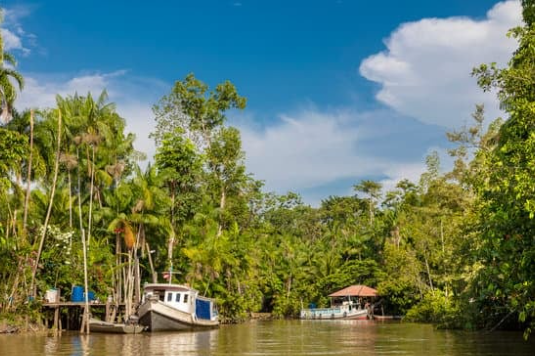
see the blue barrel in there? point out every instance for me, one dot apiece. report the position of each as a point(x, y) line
point(90, 296)
point(77, 294)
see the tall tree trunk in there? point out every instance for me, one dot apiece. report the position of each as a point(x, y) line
point(91, 196)
point(428, 272)
point(130, 283)
point(222, 203)
point(151, 264)
point(16, 210)
point(28, 177)
point(170, 252)
point(442, 234)
point(372, 214)
point(289, 286)
point(70, 198)
point(118, 261)
point(49, 210)
point(86, 286)
point(85, 320)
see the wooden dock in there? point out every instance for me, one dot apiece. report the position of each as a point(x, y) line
point(109, 311)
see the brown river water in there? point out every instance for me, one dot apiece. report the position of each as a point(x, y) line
point(285, 337)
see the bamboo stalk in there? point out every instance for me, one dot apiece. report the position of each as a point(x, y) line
point(49, 210)
point(28, 177)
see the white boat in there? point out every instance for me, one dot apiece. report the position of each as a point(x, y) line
point(352, 302)
point(344, 311)
point(172, 307)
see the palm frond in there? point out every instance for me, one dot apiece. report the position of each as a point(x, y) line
point(10, 58)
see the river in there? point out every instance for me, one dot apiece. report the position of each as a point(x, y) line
point(285, 337)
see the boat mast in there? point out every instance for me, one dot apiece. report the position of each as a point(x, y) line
point(170, 253)
point(170, 270)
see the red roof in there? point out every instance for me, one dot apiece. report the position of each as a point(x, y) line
point(356, 291)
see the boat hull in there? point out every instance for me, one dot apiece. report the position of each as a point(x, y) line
point(157, 316)
point(334, 313)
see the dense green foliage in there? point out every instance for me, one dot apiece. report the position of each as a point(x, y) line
point(506, 187)
point(455, 248)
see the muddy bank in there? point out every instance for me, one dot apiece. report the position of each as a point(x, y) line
point(20, 326)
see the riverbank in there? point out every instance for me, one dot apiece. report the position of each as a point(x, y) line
point(20, 325)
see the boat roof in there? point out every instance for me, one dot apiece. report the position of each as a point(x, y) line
point(175, 288)
point(167, 286)
point(355, 291)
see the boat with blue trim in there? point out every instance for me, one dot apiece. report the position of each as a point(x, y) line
point(173, 307)
point(353, 302)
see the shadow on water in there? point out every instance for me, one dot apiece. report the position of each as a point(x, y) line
point(284, 337)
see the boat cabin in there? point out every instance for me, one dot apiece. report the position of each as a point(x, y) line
point(182, 298)
point(177, 296)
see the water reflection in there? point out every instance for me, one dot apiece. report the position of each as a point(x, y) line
point(183, 343)
point(165, 344)
point(294, 337)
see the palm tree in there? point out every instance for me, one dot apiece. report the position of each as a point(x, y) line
point(373, 191)
point(7, 89)
point(7, 74)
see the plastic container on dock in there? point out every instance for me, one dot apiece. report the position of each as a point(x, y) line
point(77, 294)
point(51, 295)
point(90, 296)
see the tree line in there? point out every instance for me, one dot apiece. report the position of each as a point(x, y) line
point(456, 248)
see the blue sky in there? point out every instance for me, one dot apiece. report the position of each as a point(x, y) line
point(338, 90)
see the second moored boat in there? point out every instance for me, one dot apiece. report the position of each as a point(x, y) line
point(352, 302)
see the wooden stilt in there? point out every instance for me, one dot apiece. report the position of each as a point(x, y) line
point(56, 320)
point(113, 313)
point(82, 324)
point(59, 321)
point(84, 329)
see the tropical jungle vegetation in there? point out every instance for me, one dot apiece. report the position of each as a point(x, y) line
point(78, 207)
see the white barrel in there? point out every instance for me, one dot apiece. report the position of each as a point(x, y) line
point(51, 295)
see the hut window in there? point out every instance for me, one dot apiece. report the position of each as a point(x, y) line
point(169, 297)
point(185, 298)
point(177, 299)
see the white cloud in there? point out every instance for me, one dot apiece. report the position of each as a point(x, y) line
point(396, 173)
point(15, 38)
point(311, 149)
point(11, 41)
point(140, 120)
point(425, 71)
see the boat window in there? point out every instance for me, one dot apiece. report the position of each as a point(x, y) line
point(169, 297)
point(185, 298)
point(158, 293)
point(177, 297)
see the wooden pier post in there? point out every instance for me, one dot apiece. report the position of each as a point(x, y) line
point(57, 321)
point(107, 312)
